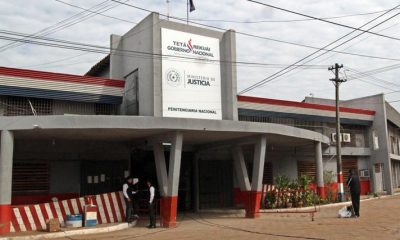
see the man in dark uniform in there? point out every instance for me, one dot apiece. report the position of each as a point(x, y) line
point(354, 185)
point(128, 202)
point(134, 197)
point(152, 200)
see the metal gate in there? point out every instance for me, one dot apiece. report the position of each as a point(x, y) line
point(215, 184)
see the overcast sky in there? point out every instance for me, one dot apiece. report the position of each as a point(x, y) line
point(30, 17)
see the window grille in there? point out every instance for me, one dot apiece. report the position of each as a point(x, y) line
point(106, 109)
point(306, 168)
point(28, 177)
point(19, 106)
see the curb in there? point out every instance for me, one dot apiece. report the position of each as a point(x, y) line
point(68, 233)
point(283, 210)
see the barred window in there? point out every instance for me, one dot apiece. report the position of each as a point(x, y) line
point(19, 106)
point(106, 109)
point(306, 168)
point(30, 177)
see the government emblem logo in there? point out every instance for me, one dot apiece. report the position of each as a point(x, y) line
point(174, 78)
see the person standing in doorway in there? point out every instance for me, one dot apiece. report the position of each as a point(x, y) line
point(135, 198)
point(152, 210)
point(354, 185)
point(128, 202)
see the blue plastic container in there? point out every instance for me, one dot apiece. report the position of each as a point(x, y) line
point(74, 220)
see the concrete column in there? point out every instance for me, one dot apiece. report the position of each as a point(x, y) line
point(240, 169)
point(6, 165)
point(320, 170)
point(258, 163)
point(170, 181)
point(175, 164)
point(254, 196)
point(251, 193)
point(161, 169)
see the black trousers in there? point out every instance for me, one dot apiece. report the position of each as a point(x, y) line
point(152, 213)
point(128, 211)
point(135, 205)
point(355, 201)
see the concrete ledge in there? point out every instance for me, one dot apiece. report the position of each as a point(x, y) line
point(305, 209)
point(222, 211)
point(67, 233)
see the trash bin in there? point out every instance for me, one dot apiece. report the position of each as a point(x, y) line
point(74, 220)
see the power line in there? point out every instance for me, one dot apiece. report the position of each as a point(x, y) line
point(7, 46)
point(288, 21)
point(97, 13)
point(51, 42)
point(323, 20)
point(262, 37)
point(291, 68)
point(251, 35)
point(363, 75)
point(372, 83)
point(55, 61)
point(73, 20)
point(129, 35)
point(346, 48)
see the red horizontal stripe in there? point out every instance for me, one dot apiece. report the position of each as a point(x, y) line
point(303, 105)
point(50, 76)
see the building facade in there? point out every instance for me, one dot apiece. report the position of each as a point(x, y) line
point(163, 105)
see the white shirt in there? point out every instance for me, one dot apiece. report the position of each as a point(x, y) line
point(125, 190)
point(151, 194)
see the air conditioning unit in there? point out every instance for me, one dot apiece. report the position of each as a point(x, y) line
point(333, 137)
point(364, 173)
point(346, 137)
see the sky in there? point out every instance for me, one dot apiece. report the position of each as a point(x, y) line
point(56, 19)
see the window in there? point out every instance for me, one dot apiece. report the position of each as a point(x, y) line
point(268, 174)
point(307, 168)
point(19, 106)
point(393, 145)
point(106, 109)
point(30, 177)
point(131, 93)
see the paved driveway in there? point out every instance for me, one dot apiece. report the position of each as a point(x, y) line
point(380, 219)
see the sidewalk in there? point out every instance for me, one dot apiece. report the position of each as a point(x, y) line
point(107, 228)
point(318, 207)
point(66, 232)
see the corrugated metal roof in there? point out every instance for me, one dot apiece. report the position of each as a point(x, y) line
point(49, 85)
point(51, 76)
point(286, 103)
point(100, 66)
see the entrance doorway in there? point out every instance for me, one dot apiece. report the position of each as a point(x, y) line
point(143, 167)
point(102, 176)
point(215, 184)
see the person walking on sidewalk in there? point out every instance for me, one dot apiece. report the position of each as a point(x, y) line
point(354, 185)
point(152, 210)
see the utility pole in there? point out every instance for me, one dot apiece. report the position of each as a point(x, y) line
point(337, 81)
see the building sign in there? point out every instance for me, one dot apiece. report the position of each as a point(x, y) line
point(191, 78)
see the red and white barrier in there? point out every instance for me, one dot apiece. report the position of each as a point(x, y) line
point(33, 217)
point(268, 188)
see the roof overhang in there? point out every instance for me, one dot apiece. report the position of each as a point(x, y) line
point(134, 128)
